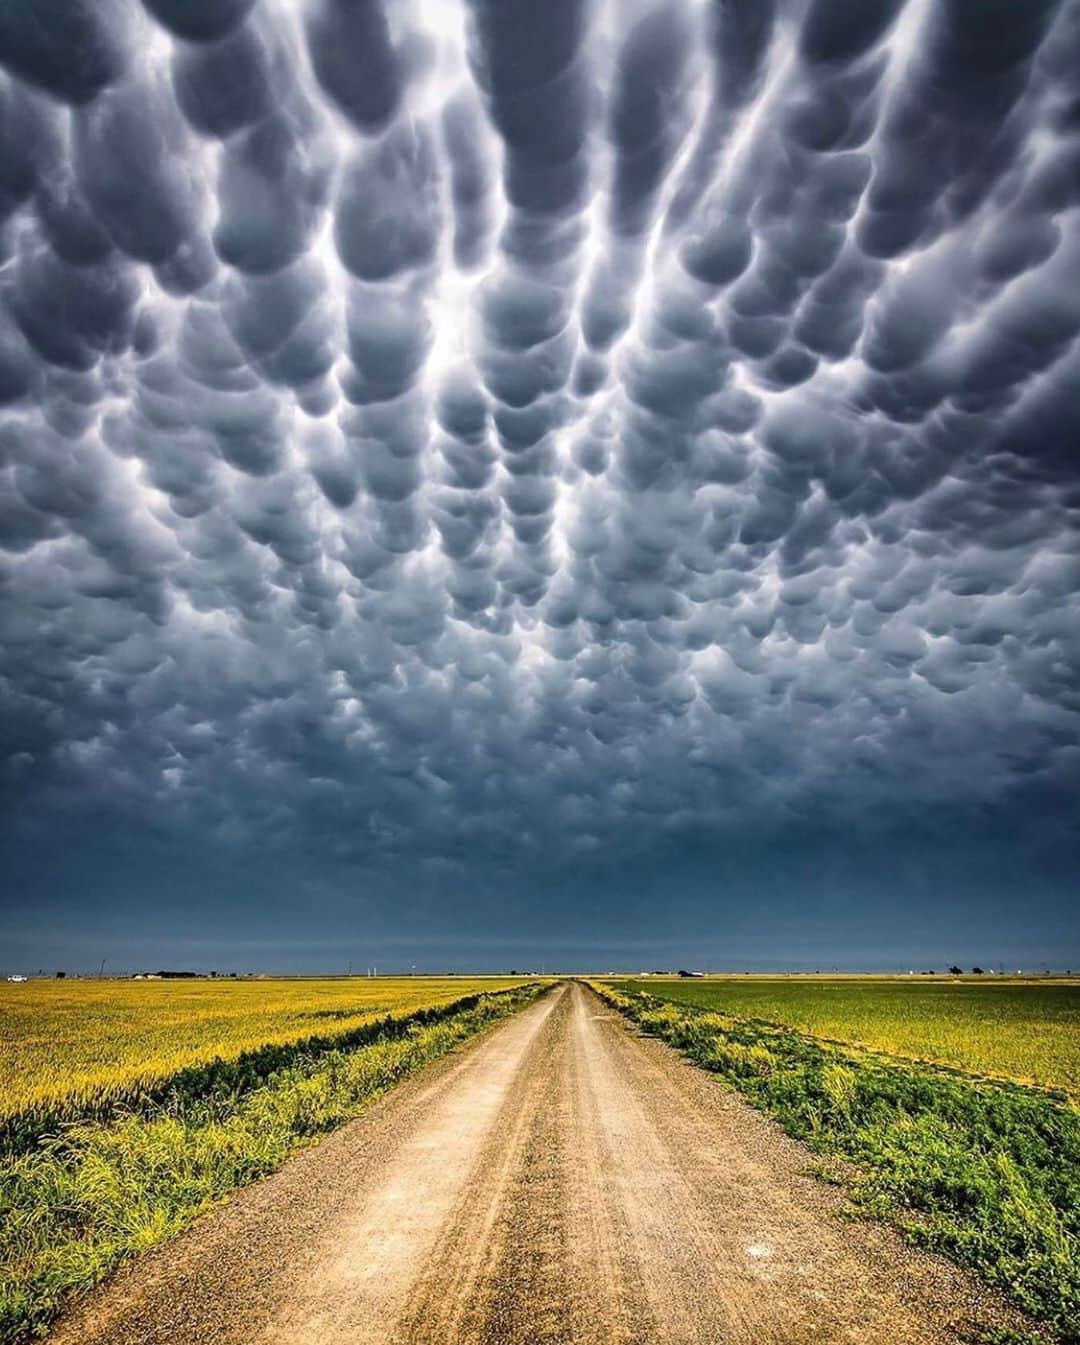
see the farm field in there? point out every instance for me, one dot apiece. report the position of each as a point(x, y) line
point(67, 1046)
point(986, 1170)
point(214, 1086)
point(1025, 1031)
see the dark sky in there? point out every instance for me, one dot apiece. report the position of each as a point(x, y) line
point(489, 482)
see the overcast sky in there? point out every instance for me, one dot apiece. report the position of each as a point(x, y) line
point(493, 482)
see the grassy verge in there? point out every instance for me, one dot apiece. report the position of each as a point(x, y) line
point(987, 1173)
point(76, 1203)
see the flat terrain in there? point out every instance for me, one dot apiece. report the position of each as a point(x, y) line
point(559, 1179)
point(1026, 1031)
point(65, 1043)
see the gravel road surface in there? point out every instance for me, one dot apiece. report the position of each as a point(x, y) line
point(559, 1179)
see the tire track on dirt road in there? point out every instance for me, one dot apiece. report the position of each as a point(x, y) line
point(560, 1179)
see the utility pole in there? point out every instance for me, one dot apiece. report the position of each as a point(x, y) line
point(101, 972)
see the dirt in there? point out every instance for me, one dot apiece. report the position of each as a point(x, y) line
point(560, 1179)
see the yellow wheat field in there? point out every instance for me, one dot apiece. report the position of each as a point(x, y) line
point(66, 1046)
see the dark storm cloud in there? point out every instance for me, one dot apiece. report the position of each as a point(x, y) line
point(647, 116)
point(387, 215)
point(516, 432)
point(73, 50)
point(354, 60)
point(226, 85)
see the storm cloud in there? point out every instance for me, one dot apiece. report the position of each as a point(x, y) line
point(490, 438)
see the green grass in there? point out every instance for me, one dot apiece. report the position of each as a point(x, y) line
point(1025, 1031)
point(986, 1172)
point(76, 1203)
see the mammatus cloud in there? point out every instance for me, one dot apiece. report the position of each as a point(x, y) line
point(450, 430)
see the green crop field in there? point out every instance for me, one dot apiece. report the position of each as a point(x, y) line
point(983, 1168)
point(129, 1108)
point(1027, 1031)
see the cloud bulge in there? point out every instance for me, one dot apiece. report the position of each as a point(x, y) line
point(492, 464)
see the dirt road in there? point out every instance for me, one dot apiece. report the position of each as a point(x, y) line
point(561, 1179)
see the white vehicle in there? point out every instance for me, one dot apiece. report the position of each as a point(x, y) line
point(17, 978)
